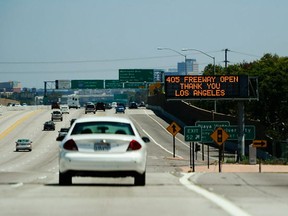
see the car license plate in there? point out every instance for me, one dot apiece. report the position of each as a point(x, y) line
point(101, 147)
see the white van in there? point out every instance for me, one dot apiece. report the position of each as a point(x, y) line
point(114, 104)
point(73, 101)
point(64, 109)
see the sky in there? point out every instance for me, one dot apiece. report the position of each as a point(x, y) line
point(48, 40)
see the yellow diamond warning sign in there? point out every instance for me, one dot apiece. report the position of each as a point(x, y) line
point(173, 128)
point(219, 136)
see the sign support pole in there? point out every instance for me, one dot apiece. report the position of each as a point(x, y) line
point(208, 151)
point(220, 154)
point(193, 152)
point(190, 155)
point(202, 151)
point(192, 161)
point(241, 126)
point(173, 146)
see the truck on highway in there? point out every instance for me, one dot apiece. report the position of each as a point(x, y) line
point(73, 101)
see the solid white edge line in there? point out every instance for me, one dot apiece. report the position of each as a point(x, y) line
point(188, 146)
point(226, 205)
point(17, 185)
point(154, 141)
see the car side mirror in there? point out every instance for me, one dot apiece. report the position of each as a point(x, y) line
point(146, 139)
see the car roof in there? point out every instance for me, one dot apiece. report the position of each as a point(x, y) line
point(104, 118)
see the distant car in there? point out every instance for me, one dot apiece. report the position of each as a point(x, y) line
point(64, 109)
point(142, 104)
point(133, 105)
point(120, 109)
point(114, 104)
point(49, 125)
point(108, 105)
point(103, 146)
point(62, 133)
point(90, 108)
point(100, 106)
point(23, 144)
point(56, 115)
point(55, 105)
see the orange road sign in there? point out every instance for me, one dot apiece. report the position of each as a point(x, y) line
point(260, 143)
point(173, 128)
point(219, 136)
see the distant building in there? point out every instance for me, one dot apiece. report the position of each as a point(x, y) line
point(191, 67)
point(10, 86)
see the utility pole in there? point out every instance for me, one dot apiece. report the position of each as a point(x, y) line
point(226, 60)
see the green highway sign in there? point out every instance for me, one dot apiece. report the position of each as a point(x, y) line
point(232, 130)
point(193, 134)
point(208, 128)
point(136, 75)
point(113, 84)
point(135, 85)
point(121, 96)
point(87, 84)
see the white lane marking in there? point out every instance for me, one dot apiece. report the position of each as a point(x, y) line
point(166, 129)
point(17, 185)
point(226, 205)
point(151, 138)
point(188, 146)
point(162, 147)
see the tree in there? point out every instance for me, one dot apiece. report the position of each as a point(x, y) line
point(272, 107)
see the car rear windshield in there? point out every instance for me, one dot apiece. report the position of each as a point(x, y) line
point(90, 106)
point(102, 127)
point(23, 140)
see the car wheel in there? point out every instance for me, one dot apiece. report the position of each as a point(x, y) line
point(65, 179)
point(140, 179)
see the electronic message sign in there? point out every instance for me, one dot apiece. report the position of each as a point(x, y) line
point(206, 87)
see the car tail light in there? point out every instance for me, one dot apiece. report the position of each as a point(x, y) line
point(134, 145)
point(70, 145)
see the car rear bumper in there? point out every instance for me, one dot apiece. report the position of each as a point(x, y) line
point(23, 148)
point(82, 164)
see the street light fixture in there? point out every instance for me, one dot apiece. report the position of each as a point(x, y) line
point(186, 49)
point(166, 48)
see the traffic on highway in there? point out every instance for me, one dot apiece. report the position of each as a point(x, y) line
point(32, 181)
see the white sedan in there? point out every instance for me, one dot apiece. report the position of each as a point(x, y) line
point(103, 147)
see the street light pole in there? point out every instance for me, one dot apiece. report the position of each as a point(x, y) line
point(185, 58)
point(186, 49)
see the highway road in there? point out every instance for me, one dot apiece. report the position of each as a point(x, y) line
point(29, 180)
